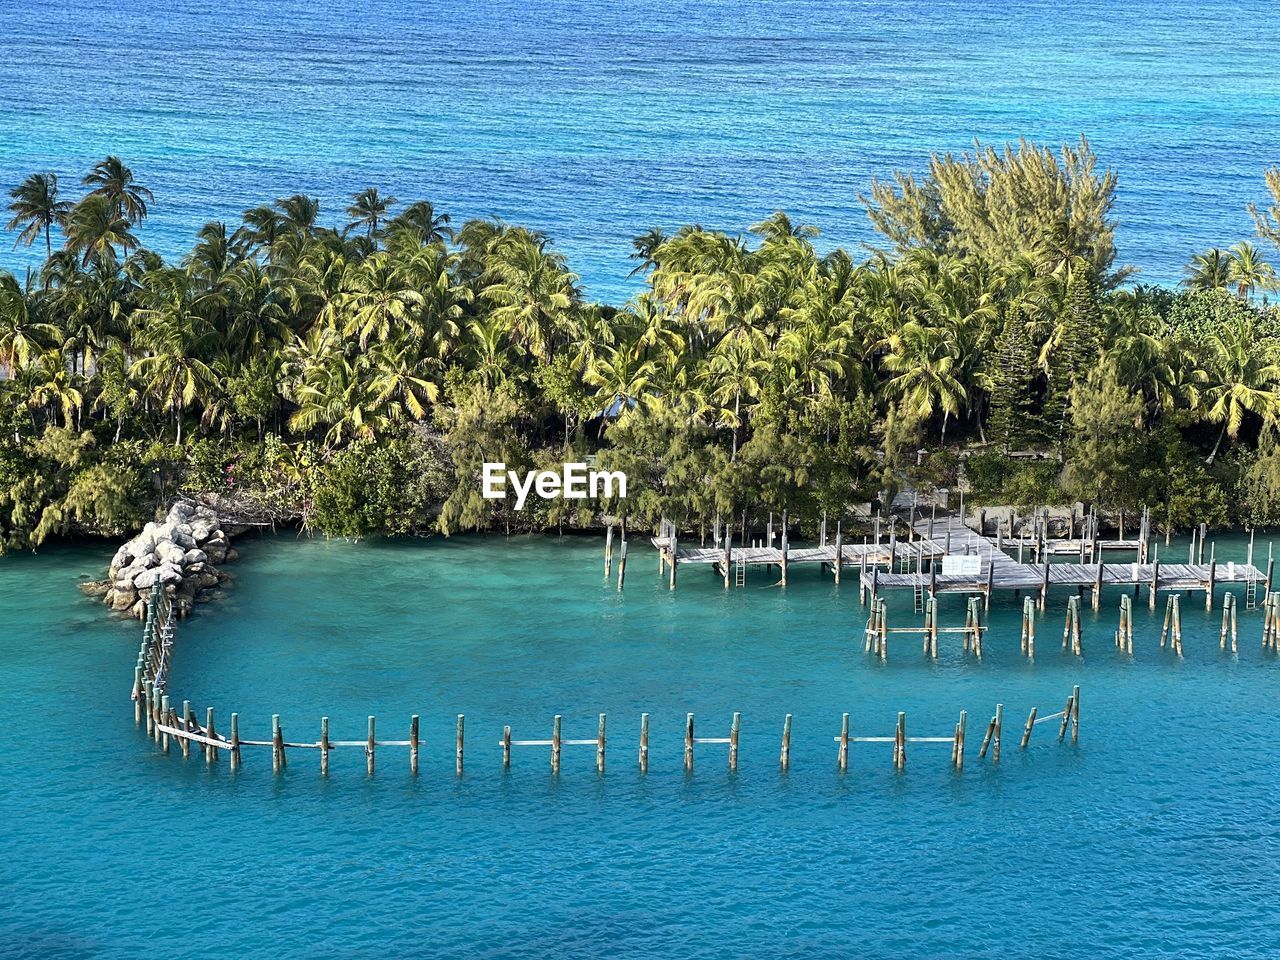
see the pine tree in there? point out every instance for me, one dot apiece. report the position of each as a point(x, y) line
point(1079, 341)
point(1013, 420)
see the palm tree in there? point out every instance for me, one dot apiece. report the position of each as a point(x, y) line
point(1248, 271)
point(22, 336)
point(368, 208)
point(95, 227)
point(734, 371)
point(37, 209)
point(1243, 377)
point(376, 302)
point(422, 218)
point(113, 181)
point(1210, 270)
point(533, 292)
point(645, 250)
point(924, 359)
point(620, 378)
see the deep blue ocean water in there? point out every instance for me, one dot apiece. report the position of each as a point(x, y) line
point(1155, 835)
point(596, 121)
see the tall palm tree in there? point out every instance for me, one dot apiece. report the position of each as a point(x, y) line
point(422, 218)
point(1210, 270)
point(924, 359)
point(113, 181)
point(1248, 271)
point(532, 290)
point(368, 209)
point(37, 209)
point(23, 337)
point(95, 228)
point(1243, 374)
point(376, 303)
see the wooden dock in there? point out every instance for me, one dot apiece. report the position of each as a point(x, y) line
point(999, 571)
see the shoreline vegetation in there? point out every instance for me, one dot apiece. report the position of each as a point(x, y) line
point(354, 377)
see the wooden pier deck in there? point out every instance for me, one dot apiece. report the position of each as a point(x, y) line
point(1000, 571)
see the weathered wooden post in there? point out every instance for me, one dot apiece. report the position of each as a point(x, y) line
point(784, 755)
point(842, 758)
point(734, 729)
point(999, 726)
point(1097, 583)
point(1177, 625)
point(458, 766)
point(324, 746)
point(555, 744)
point(600, 744)
point(643, 758)
point(674, 559)
point(277, 744)
point(608, 551)
point(1044, 586)
point(413, 743)
point(688, 743)
point(506, 747)
point(370, 747)
point(900, 743)
point(1026, 730)
point(622, 566)
point(1213, 575)
point(1204, 529)
point(958, 752)
point(839, 551)
point(211, 752)
point(1075, 714)
point(235, 742)
point(164, 714)
point(187, 724)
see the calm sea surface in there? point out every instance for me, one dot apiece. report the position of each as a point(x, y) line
point(1157, 835)
point(596, 121)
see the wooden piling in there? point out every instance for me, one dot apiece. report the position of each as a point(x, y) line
point(1044, 586)
point(506, 747)
point(784, 755)
point(413, 743)
point(370, 748)
point(839, 551)
point(1097, 582)
point(211, 752)
point(324, 746)
point(688, 743)
point(1026, 730)
point(277, 744)
point(900, 743)
point(959, 748)
point(555, 744)
point(1075, 714)
point(986, 739)
point(164, 713)
point(734, 730)
point(188, 724)
point(999, 724)
point(235, 742)
point(674, 558)
point(842, 758)
point(1213, 576)
point(622, 566)
point(461, 724)
point(1066, 716)
point(600, 745)
point(608, 551)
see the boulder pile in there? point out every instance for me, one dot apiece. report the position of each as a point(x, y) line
point(181, 553)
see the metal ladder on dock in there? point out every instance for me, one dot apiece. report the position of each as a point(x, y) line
point(740, 574)
point(919, 595)
point(1251, 593)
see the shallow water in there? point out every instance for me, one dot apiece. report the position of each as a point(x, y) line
point(597, 121)
point(1156, 835)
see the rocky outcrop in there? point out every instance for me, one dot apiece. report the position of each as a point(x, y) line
point(182, 553)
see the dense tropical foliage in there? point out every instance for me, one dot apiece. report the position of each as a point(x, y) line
point(356, 375)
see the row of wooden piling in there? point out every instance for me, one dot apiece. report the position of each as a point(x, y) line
point(169, 726)
point(877, 630)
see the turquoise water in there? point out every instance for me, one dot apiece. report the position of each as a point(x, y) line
point(1156, 835)
point(597, 121)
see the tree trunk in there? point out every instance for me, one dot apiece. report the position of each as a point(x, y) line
point(1214, 455)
